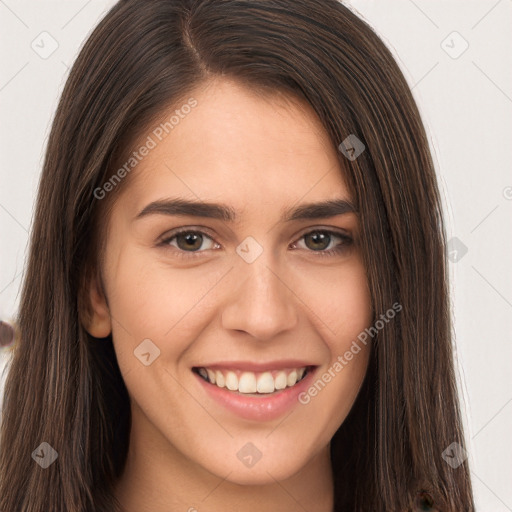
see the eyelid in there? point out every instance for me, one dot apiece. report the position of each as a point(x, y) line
point(203, 230)
point(346, 238)
point(185, 229)
point(165, 239)
point(329, 229)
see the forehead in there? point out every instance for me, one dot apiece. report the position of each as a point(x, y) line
point(238, 147)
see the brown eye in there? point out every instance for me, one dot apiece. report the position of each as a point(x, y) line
point(324, 243)
point(192, 241)
point(189, 241)
point(319, 240)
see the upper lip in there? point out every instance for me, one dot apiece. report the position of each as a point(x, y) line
point(251, 366)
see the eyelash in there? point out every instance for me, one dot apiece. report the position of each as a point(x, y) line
point(346, 242)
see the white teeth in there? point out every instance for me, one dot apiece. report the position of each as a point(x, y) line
point(280, 380)
point(211, 376)
point(232, 381)
point(292, 378)
point(219, 379)
point(249, 382)
point(265, 383)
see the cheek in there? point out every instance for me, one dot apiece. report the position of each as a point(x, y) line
point(148, 299)
point(352, 316)
point(172, 307)
point(151, 307)
point(342, 301)
point(354, 311)
point(158, 312)
point(339, 301)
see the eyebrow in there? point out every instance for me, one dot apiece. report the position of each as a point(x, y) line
point(321, 210)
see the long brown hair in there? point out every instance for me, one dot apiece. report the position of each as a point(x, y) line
point(65, 388)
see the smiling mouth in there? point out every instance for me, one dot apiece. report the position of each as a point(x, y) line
point(253, 383)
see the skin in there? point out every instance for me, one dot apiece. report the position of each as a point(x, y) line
point(258, 155)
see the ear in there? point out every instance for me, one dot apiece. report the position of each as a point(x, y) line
point(97, 323)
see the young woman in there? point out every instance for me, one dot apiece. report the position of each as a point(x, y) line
point(236, 295)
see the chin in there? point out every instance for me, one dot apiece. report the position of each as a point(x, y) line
point(262, 472)
point(265, 475)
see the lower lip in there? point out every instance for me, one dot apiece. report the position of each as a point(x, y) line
point(258, 408)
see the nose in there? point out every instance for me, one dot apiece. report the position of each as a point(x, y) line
point(262, 303)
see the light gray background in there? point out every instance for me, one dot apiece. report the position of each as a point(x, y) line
point(466, 103)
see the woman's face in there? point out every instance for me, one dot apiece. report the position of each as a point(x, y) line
point(253, 302)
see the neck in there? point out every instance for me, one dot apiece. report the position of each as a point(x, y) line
point(156, 480)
